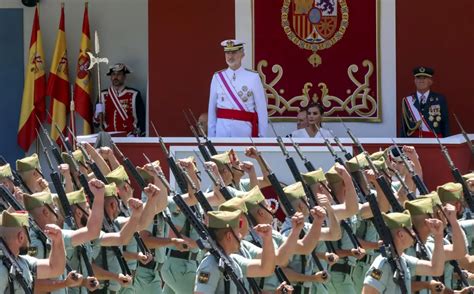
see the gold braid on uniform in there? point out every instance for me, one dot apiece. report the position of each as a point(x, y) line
point(406, 120)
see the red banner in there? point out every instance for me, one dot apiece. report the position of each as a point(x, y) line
point(319, 50)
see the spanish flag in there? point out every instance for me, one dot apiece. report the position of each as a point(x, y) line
point(58, 82)
point(83, 85)
point(34, 91)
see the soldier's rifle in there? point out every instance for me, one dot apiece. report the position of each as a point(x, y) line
point(466, 137)
point(180, 180)
point(290, 210)
point(456, 174)
point(65, 141)
point(14, 268)
point(201, 146)
point(420, 185)
point(54, 149)
point(201, 199)
point(199, 127)
point(347, 155)
point(68, 217)
point(17, 180)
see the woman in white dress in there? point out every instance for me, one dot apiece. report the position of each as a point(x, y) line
point(314, 116)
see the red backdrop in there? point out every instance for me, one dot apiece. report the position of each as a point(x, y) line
point(184, 52)
point(438, 34)
point(358, 43)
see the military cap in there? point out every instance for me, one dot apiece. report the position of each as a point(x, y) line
point(118, 176)
point(221, 159)
point(434, 198)
point(28, 163)
point(357, 163)
point(294, 191)
point(5, 172)
point(332, 176)
point(314, 177)
point(232, 45)
point(468, 176)
point(420, 206)
point(380, 164)
point(142, 170)
point(110, 190)
point(236, 203)
point(377, 155)
point(16, 219)
point(76, 197)
point(76, 155)
point(253, 198)
point(37, 200)
point(397, 220)
point(224, 219)
point(422, 71)
point(119, 67)
point(450, 192)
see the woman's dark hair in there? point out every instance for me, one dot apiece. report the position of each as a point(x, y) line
point(315, 104)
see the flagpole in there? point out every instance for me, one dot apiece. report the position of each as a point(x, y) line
point(72, 117)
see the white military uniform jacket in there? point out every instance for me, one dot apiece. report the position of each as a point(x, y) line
point(248, 88)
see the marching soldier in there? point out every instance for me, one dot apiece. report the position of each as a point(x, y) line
point(123, 109)
point(424, 111)
point(237, 102)
point(29, 170)
point(14, 240)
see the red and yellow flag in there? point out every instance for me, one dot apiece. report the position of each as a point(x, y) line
point(83, 85)
point(34, 91)
point(58, 82)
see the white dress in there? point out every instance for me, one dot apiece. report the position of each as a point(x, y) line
point(302, 133)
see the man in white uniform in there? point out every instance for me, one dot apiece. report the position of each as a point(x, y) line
point(237, 102)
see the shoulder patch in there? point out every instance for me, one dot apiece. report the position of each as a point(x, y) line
point(251, 70)
point(376, 274)
point(203, 277)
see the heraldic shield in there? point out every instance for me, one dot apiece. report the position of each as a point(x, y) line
point(315, 24)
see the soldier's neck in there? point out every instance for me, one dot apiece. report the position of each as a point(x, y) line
point(235, 67)
point(119, 88)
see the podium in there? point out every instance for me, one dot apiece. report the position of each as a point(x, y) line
point(435, 168)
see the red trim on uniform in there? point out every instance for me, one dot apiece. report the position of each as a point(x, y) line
point(251, 117)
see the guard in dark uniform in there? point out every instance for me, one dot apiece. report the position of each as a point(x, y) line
point(424, 111)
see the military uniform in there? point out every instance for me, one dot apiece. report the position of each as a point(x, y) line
point(27, 264)
point(124, 109)
point(423, 112)
point(209, 278)
point(237, 101)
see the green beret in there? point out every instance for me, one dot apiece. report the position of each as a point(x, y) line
point(314, 177)
point(434, 198)
point(332, 176)
point(224, 219)
point(294, 191)
point(356, 163)
point(37, 200)
point(118, 176)
point(450, 192)
point(236, 203)
point(28, 163)
point(76, 197)
point(77, 155)
point(397, 220)
point(221, 159)
point(468, 176)
point(5, 172)
point(110, 190)
point(253, 198)
point(142, 171)
point(17, 219)
point(420, 206)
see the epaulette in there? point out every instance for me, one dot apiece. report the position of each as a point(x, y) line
point(251, 70)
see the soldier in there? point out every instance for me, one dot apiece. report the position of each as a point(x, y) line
point(14, 237)
point(224, 227)
point(6, 177)
point(379, 278)
point(424, 111)
point(237, 102)
point(123, 109)
point(29, 170)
